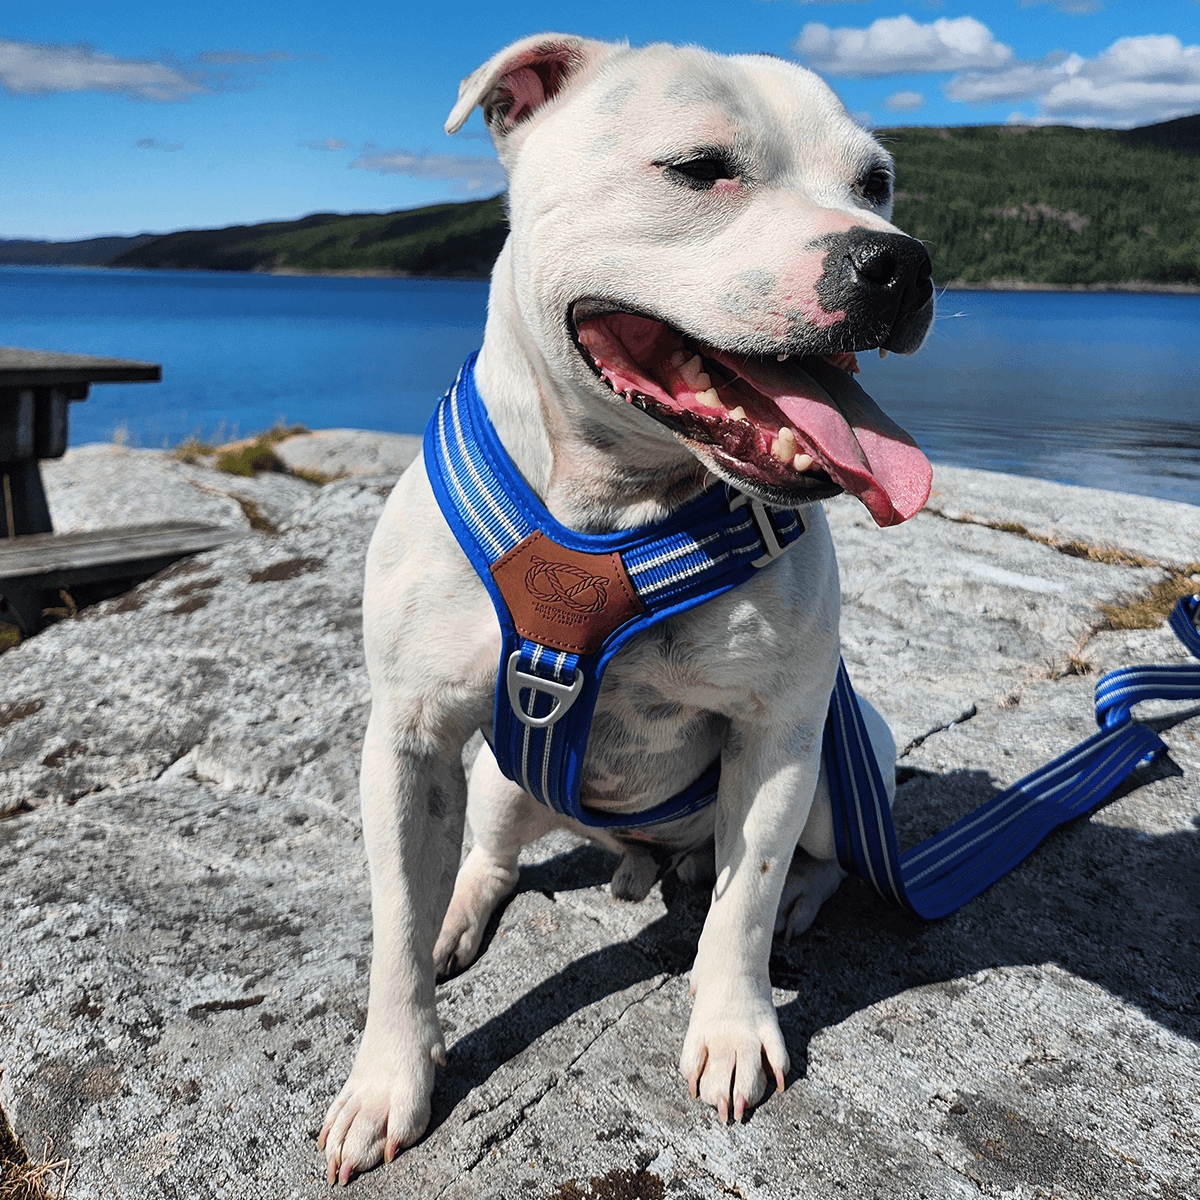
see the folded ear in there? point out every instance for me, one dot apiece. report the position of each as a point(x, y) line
point(515, 83)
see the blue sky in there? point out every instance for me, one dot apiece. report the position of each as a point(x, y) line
point(145, 115)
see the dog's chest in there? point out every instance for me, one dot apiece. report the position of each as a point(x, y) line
point(664, 708)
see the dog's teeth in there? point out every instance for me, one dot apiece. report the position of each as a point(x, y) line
point(678, 359)
point(709, 398)
point(882, 352)
point(784, 446)
point(737, 414)
point(802, 462)
point(782, 357)
point(694, 375)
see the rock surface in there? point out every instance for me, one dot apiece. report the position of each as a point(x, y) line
point(186, 936)
point(349, 452)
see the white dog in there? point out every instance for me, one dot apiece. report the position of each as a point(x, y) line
point(709, 238)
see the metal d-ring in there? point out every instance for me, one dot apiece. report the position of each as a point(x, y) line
point(564, 693)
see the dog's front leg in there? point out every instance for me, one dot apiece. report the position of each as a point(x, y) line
point(413, 801)
point(765, 796)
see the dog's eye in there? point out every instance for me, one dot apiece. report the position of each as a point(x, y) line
point(876, 186)
point(701, 172)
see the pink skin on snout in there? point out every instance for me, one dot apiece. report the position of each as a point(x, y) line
point(798, 290)
point(798, 283)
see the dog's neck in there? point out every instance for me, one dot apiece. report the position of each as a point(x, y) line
point(593, 465)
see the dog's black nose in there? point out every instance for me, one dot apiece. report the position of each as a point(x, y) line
point(884, 284)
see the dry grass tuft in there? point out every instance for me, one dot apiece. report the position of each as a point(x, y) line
point(1149, 609)
point(45, 1180)
point(252, 455)
point(252, 459)
point(22, 1179)
point(192, 449)
point(1146, 610)
point(320, 478)
point(1074, 666)
point(255, 515)
point(1102, 554)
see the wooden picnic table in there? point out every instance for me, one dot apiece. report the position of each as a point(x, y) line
point(37, 565)
point(36, 386)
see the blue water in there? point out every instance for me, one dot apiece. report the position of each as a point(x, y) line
point(1099, 390)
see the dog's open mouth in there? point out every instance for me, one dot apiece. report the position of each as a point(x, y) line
point(795, 429)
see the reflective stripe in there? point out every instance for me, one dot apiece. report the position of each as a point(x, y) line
point(945, 871)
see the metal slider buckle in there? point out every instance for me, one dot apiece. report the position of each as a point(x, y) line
point(564, 693)
point(766, 531)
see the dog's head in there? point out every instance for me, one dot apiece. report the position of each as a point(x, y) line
point(706, 241)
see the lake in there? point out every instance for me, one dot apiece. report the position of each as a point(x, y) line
point(1094, 389)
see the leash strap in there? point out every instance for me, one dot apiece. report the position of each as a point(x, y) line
point(945, 871)
point(567, 602)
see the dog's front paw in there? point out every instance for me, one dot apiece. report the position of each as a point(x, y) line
point(378, 1113)
point(731, 1033)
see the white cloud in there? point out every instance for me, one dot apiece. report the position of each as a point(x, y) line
point(329, 143)
point(1136, 81)
point(905, 101)
point(155, 144)
point(28, 68)
point(899, 44)
point(1021, 81)
point(468, 173)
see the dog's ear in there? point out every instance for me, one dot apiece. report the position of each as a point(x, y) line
point(516, 82)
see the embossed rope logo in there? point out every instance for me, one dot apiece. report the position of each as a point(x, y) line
point(567, 586)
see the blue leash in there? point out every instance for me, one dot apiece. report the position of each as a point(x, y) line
point(945, 871)
point(581, 597)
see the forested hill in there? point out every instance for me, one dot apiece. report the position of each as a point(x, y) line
point(444, 240)
point(1053, 205)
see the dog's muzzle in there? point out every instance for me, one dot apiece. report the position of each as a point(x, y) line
point(884, 284)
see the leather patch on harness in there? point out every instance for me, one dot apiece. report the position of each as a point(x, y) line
point(565, 599)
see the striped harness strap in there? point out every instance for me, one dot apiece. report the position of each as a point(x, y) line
point(567, 602)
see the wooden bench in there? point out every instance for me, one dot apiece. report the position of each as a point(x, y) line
point(36, 564)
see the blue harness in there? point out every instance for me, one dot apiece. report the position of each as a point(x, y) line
point(567, 602)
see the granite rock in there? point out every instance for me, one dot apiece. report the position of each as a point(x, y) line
point(186, 937)
point(334, 452)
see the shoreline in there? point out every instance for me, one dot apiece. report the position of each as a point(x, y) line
point(1128, 287)
point(1131, 287)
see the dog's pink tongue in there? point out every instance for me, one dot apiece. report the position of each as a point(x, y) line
point(857, 444)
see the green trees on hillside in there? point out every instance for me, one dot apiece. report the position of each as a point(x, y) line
point(442, 240)
point(1050, 205)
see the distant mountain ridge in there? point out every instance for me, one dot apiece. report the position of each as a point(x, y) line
point(1048, 205)
point(92, 252)
point(442, 240)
